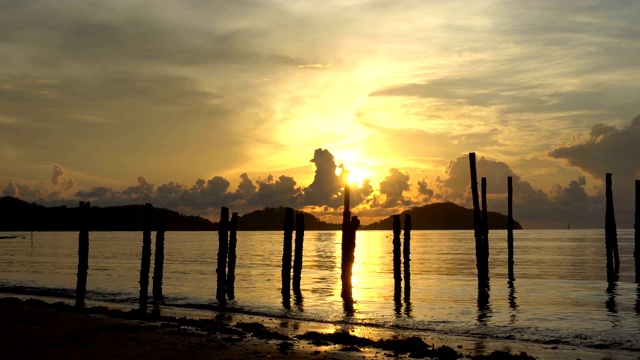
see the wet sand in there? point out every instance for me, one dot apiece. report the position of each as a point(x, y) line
point(34, 329)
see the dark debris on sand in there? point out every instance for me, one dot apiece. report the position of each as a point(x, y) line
point(414, 346)
point(260, 331)
point(503, 355)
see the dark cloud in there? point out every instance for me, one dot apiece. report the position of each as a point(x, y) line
point(281, 192)
point(606, 149)
point(567, 204)
point(362, 194)
point(425, 191)
point(393, 186)
point(326, 184)
point(60, 180)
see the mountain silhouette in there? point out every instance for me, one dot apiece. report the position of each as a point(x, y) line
point(273, 219)
point(443, 216)
point(18, 215)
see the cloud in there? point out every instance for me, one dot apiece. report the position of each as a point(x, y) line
point(281, 192)
point(594, 154)
point(326, 184)
point(568, 203)
point(425, 191)
point(393, 186)
point(60, 179)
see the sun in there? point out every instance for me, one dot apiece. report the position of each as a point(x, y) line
point(356, 175)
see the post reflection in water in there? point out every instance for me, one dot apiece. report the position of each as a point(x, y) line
point(397, 301)
point(512, 302)
point(611, 305)
point(298, 300)
point(484, 308)
point(637, 307)
point(347, 300)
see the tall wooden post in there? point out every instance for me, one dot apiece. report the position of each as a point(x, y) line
point(510, 227)
point(611, 237)
point(83, 252)
point(349, 226)
point(233, 241)
point(223, 248)
point(286, 256)
point(145, 262)
point(347, 263)
point(477, 219)
point(485, 229)
point(407, 257)
point(397, 275)
point(158, 266)
point(297, 258)
point(636, 226)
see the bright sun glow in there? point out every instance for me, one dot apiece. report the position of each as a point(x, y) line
point(356, 175)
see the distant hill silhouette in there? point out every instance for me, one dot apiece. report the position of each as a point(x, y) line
point(18, 215)
point(273, 219)
point(443, 216)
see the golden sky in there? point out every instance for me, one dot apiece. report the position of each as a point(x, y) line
point(128, 101)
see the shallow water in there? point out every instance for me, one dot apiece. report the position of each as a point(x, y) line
point(560, 295)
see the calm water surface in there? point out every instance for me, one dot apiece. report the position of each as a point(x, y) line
point(560, 294)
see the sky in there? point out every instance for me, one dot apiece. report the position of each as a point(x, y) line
point(194, 105)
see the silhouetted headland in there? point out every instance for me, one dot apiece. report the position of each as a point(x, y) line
point(444, 216)
point(19, 215)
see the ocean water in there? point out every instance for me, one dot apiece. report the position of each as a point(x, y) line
point(560, 295)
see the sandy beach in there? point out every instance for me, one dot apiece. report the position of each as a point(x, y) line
point(35, 329)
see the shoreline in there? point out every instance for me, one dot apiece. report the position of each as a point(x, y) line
point(63, 331)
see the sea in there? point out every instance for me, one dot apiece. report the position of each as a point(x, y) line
point(560, 295)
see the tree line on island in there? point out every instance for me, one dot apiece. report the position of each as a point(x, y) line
point(19, 215)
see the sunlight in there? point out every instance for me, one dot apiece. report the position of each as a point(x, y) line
point(356, 175)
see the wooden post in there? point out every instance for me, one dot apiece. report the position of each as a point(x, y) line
point(397, 275)
point(297, 259)
point(158, 266)
point(636, 226)
point(510, 227)
point(83, 252)
point(477, 219)
point(233, 241)
point(485, 229)
point(347, 263)
point(145, 261)
point(286, 256)
point(611, 237)
point(407, 258)
point(349, 226)
point(223, 248)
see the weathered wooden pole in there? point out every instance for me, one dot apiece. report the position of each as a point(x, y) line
point(349, 226)
point(477, 219)
point(636, 226)
point(286, 256)
point(347, 263)
point(397, 272)
point(297, 258)
point(233, 241)
point(145, 261)
point(83, 252)
point(223, 248)
point(485, 228)
point(158, 266)
point(611, 237)
point(406, 249)
point(510, 226)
